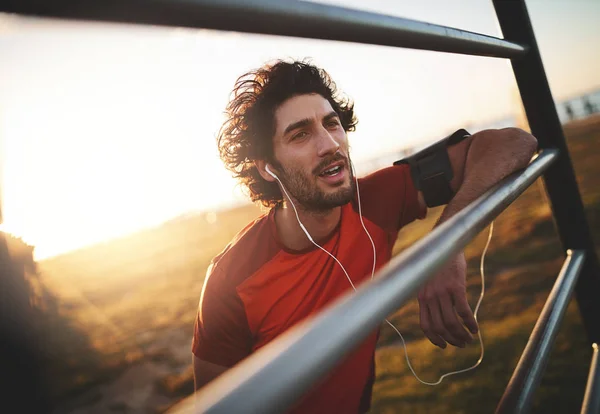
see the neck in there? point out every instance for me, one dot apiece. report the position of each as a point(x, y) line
point(319, 225)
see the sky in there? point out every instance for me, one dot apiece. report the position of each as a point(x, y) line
point(106, 129)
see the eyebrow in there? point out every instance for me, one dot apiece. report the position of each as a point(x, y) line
point(303, 122)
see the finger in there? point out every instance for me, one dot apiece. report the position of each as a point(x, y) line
point(464, 312)
point(451, 321)
point(425, 321)
point(437, 324)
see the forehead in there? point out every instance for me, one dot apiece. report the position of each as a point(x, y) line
point(298, 108)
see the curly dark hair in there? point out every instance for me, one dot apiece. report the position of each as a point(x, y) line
point(247, 134)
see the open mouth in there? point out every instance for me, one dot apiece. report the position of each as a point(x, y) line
point(334, 174)
point(330, 172)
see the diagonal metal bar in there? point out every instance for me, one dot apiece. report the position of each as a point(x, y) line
point(528, 374)
point(275, 17)
point(591, 399)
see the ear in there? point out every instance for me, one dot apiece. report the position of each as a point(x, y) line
point(261, 166)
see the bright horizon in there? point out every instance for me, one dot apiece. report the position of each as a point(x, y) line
point(106, 129)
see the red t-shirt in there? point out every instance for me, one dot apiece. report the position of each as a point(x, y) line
point(257, 288)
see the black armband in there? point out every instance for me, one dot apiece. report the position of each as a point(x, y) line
point(431, 169)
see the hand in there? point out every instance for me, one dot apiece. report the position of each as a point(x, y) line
point(443, 305)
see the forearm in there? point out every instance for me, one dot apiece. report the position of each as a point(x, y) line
point(492, 155)
point(487, 157)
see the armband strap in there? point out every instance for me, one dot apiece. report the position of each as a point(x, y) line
point(431, 170)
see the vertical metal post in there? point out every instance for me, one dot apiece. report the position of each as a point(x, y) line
point(559, 179)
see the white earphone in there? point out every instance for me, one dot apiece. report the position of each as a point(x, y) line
point(270, 172)
point(373, 273)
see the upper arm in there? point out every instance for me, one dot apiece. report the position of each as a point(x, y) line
point(458, 159)
point(205, 372)
point(221, 332)
point(457, 154)
point(505, 145)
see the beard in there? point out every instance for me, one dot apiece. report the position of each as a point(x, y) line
point(305, 190)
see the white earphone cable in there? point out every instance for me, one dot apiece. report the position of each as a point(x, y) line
point(481, 268)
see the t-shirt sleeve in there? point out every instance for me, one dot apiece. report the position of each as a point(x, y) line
point(221, 332)
point(389, 198)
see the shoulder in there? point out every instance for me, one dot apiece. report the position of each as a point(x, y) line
point(386, 176)
point(249, 249)
point(389, 197)
point(389, 181)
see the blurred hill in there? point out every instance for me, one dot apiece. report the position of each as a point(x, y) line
point(118, 317)
point(18, 335)
point(135, 298)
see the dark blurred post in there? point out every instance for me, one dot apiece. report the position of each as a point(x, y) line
point(569, 110)
point(589, 107)
point(21, 385)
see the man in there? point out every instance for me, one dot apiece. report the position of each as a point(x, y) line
point(287, 128)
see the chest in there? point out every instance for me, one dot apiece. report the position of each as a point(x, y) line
point(292, 287)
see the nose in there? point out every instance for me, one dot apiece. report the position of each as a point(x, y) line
point(327, 144)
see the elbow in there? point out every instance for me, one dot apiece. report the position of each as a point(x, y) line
point(525, 140)
point(522, 145)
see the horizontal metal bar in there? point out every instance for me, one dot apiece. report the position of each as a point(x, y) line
point(276, 17)
point(528, 374)
point(274, 377)
point(591, 399)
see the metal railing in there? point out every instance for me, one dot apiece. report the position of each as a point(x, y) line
point(277, 375)
point(284, 18)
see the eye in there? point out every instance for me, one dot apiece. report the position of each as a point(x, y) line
point(299, 135)
point(333, 123)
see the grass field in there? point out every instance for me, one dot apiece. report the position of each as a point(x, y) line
point(117, 318)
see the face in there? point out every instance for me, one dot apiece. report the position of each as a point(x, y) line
point(311, 153)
